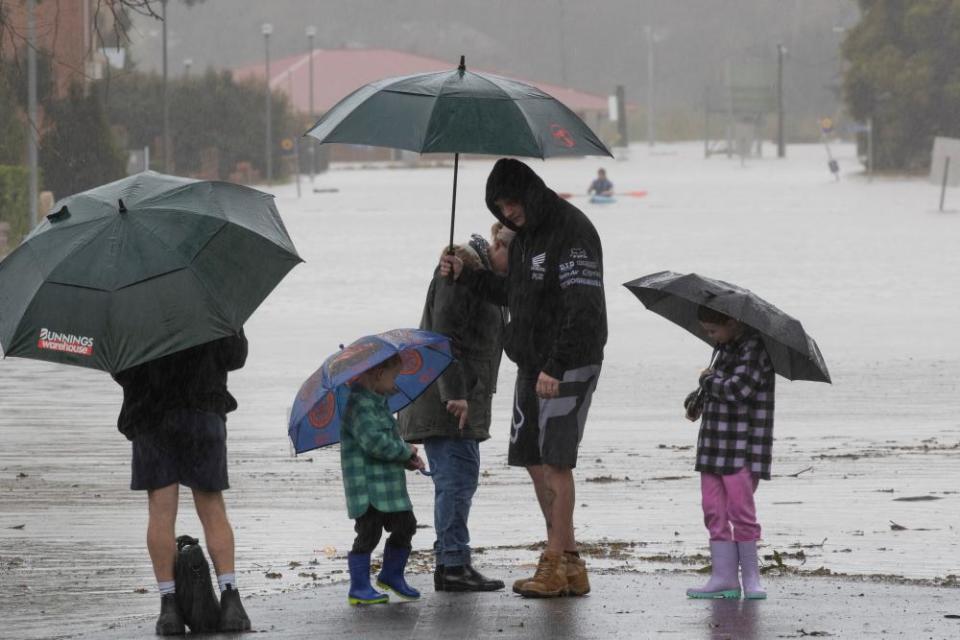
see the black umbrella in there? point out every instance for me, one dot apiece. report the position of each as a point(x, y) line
point(141, 268)
point(456, 112)
point(676, 297)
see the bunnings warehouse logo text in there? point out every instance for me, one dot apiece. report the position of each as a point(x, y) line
point(66, 342)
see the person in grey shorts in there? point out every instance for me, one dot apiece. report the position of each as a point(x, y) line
point(547, 431)
point(556, 334)
point(175, 415)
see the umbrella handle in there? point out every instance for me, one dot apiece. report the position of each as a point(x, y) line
point(453, 209)
point(425, 472)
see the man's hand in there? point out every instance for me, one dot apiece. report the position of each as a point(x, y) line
point(547, 386)
point(451, 264)
point(459, 409)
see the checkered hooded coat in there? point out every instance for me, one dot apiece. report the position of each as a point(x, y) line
point(372, 456)
point(736, 429)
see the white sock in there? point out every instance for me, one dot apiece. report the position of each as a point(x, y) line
point(167, 586)
point(227, 579)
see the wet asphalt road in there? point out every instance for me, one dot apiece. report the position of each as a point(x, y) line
point(623, 605)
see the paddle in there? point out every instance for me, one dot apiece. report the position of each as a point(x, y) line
point(634, 194)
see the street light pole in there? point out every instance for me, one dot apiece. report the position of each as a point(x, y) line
point(166, 101)
point(650, 132)
point(781, 145)
point(311, 34)
point(32, 108)
point(267, 29)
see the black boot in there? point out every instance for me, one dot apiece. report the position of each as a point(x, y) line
point(232, 615)
point(170, 622)
point(438, 578)
point(466, 578)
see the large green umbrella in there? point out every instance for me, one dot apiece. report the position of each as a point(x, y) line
point(456, 112)
point(140, 268)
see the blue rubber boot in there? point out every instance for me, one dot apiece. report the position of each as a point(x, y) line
point(391, 575)
point(724, 580)
point(360, 590)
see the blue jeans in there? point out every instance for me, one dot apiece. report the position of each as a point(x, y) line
point(455, 463)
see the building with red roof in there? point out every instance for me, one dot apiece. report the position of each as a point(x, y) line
point(339, 72)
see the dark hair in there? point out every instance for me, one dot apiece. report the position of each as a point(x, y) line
point(706, 314)
point(393, 361)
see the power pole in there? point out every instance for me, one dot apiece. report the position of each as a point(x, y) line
point(311, 34)
point(267, 29)
point(32, 108)
point(167, 156)
point(622, 117)
point(781, 145)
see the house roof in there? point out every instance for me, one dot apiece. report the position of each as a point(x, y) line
point(338, 72)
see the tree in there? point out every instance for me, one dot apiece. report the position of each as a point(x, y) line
point(12, 136)
point(78, 151)
point(211, 111)
point(903, 74)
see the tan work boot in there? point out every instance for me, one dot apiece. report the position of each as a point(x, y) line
point(550, 580)
point(517, 584)
point(577, 582)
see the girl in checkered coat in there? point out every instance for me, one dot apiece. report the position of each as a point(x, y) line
point(733, 452)
point(373, 457)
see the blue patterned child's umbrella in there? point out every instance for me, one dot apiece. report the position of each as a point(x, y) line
point(319, 406)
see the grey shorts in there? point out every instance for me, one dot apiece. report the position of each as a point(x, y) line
point(549, 431)
point(187, 447)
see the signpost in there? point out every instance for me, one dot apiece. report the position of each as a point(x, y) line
point(826, 128)
point(945, 150)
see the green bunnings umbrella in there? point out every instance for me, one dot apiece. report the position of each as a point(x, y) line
point(140, 268)
point(456, 112)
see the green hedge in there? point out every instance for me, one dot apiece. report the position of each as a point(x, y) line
point(15, 202)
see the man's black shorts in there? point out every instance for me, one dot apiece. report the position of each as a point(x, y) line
point(549, 431)
point(187, 447)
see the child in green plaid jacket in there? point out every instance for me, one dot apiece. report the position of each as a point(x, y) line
point(373, 457)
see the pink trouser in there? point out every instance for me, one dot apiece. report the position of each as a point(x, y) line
point(728, 508)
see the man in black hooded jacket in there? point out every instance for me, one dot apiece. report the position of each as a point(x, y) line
point(556, 335)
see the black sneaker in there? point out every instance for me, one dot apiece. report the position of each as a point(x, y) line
point(466, 578)
point(170, 622)
point(438, 578)
point(232, 615)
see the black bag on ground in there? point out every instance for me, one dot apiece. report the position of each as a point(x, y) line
point(195, 595)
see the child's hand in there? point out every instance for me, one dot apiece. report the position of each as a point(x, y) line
point(459, 409)
point(415, 464)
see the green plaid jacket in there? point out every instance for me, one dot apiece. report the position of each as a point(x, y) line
point(372, 456)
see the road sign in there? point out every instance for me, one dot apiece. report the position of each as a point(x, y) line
point(943, 149)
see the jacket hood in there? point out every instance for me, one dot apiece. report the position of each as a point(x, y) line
point(513, 180)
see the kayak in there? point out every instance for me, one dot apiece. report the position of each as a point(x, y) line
point(595, 199)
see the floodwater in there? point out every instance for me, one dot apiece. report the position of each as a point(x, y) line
point(865, 469)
